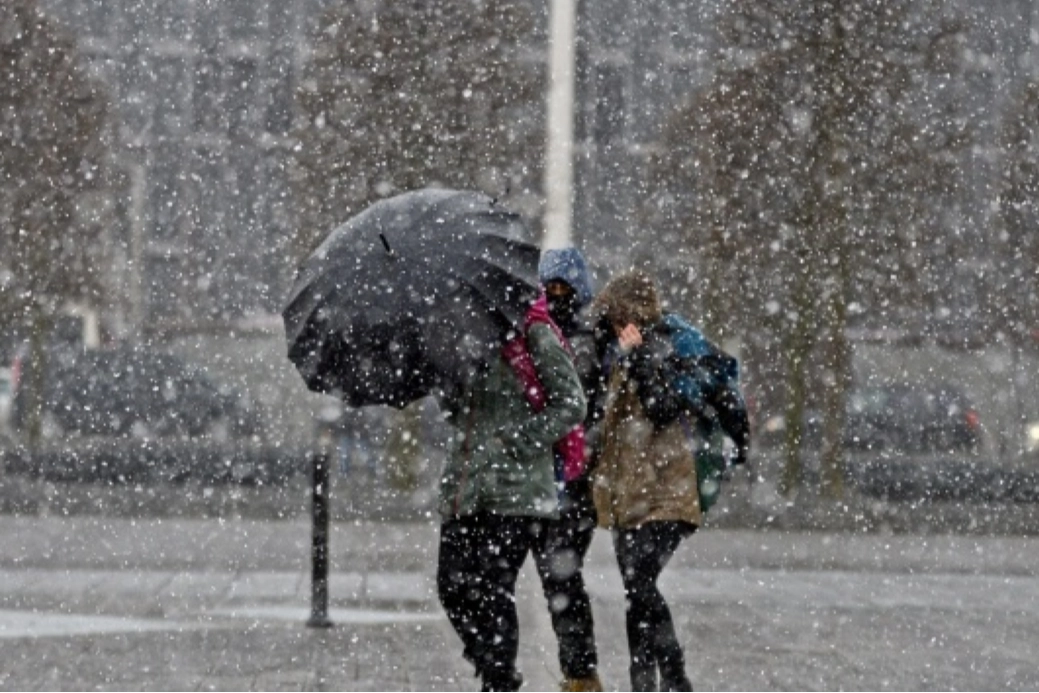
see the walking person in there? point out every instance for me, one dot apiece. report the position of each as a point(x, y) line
point(498, 486)
point(645, 485)
point(561, 547)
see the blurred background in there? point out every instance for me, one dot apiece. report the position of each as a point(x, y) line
point(843, 194)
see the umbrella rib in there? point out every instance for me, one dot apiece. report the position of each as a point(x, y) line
point(455, 262)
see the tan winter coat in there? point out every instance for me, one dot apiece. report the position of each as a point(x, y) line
point(642, 475)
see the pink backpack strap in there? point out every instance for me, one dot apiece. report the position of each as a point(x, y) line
point(538, 313)
point(571, 446)
point(515, 352)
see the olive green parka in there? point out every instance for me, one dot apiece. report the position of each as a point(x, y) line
point(501, 459)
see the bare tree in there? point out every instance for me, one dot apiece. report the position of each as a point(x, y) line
point(402, 95)
point(52, 146)
point(1015, 295)
point(805, 178)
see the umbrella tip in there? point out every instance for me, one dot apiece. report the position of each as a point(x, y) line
point(386, 244)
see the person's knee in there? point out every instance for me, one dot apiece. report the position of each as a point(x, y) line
point(643, 597)
point(451, 586)
point(558, 601)
point(564, 564)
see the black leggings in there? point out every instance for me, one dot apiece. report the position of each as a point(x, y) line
point(480, 558)
point(559, 555)
point(642, 554)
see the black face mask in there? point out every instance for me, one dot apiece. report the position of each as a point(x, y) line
point(563, 309)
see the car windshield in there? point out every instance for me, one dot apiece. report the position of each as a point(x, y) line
point(881, 400)
point(873, 400)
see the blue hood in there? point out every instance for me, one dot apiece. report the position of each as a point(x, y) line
point(567, 265)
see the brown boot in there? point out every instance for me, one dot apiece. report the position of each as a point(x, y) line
point(588, 683)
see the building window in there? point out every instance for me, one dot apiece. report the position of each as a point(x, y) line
point(171, 20)
point(171, 106)
point(584, 90)
point(241, 97)
point(247, 191)
point(208, 25)
point(207, 96)
point(611, 23)
point(280, 86)
point(162, 279)
point(283, 21)
point(138, 101)
point(609, 105)
point(208, 201)
point(685, 79)
point(275, 233)
point(245, 19)
point(166, 203)
point(650, 92)
point(97, 16)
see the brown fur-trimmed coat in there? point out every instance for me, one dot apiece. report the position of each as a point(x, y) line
point(645, 472)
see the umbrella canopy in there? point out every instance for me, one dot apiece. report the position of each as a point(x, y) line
point(410, 294)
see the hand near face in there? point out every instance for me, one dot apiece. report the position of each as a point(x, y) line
point(629, 337)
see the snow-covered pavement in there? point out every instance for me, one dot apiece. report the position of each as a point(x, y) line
point(117, 604)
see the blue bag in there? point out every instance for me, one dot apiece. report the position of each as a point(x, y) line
point(709, 381)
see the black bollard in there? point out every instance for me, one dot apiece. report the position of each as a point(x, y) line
point(319, 541)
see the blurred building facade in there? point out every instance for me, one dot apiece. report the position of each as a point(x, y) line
point(637, 62)
point(204, 92)
point(204, 99)
point(204, 103)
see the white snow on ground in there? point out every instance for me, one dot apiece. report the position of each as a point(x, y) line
point(38, 624)
point(847, 589)
point(339, 616)
point(243, 596)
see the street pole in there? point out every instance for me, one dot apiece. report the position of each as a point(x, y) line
point(559, 165)
point(321, 459)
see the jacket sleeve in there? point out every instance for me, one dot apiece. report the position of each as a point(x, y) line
point(564, 396)
point(655, 374)
point(590, 371)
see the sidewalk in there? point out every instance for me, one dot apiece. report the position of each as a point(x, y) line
point(94, 603)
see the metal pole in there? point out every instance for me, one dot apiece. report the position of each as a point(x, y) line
point(559, 167)
point(320, 462)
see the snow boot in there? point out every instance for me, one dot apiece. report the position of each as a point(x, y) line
point(502, 681)
point(675, 682)
point(672, 671)
point(644, 678)
point(586, 683)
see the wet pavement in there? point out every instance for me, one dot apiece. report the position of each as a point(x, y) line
point(98, 603)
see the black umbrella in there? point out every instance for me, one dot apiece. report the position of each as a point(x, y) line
point(410, 294)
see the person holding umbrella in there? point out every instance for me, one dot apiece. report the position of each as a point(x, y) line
point(498, 489)
point(563, 543)
point(436, 292)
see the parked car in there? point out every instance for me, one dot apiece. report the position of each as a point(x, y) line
point(896, 417)
point(939, 418)
point(133, 392)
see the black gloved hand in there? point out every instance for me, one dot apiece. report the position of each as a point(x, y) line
point(741, 455)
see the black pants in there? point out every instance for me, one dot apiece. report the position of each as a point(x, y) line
point(642, 554)
point(480, 558)
point(559, 554)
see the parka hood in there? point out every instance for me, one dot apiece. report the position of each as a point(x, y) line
point(630, 298)
point(567, 265)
